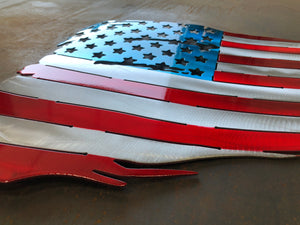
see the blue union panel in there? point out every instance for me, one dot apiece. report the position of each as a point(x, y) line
point(186, 50)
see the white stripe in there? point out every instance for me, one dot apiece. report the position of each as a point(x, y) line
point(258, 54)
point(148, 107)
point(171, 80)
point(258, 70)
point(50, 136)
point(261, 42)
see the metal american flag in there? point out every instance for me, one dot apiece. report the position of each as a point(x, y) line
point(149, 93)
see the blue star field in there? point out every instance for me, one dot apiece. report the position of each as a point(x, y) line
point(185, 50)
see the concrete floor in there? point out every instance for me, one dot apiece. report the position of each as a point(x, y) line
point(226, 191)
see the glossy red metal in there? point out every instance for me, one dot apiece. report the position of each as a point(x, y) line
point(257, 37)
point(276, 63)
point(249, 79)
point(260, 47)
point(185, 97)
point(116, 122)
point(20, 162)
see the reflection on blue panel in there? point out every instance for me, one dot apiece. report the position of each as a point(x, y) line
point(186, 50)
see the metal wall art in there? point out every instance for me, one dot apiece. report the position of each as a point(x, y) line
point(146, 92)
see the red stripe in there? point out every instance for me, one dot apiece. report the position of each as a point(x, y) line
point(260, 47)
point(19, 162)
point(249, 79)
point(115, 122)
point(258, 37)
point(166, 94)
point(278, 63)
point(22, 162)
